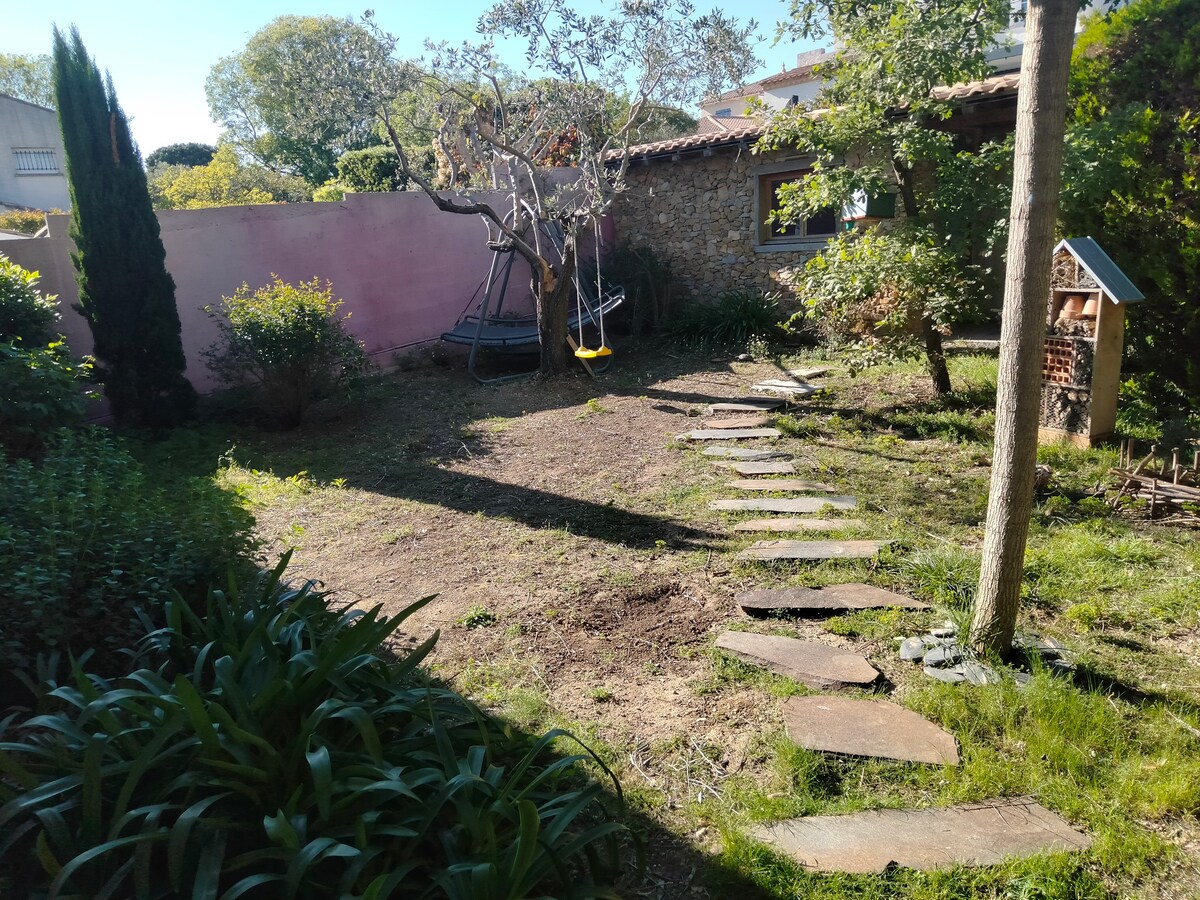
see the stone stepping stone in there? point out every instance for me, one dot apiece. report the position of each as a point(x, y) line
point(833, 597)
point(790, 505)
point(797, 524)
point(748, 404)
point(781, 484)
point(740, 422)
point(816, 665)
point(867, 728)
point(788, 388)
point(805, 374)
point(768, 550)
point(721, 434)
point(745, 453)
point(977, 834)
point(775, 467)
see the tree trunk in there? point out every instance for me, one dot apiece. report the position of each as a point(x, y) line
point(555, 291)
point(1041, 122)
point(935, 358)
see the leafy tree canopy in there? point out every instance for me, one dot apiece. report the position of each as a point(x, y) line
point(189, 154)
point(874, 125)
point(1132, 175)
point(27, 77)
point(265, 97)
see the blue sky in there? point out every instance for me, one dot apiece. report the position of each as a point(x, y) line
point(160, 53)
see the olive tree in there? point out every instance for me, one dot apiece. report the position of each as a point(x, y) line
point(497, 130)
point(263, 95)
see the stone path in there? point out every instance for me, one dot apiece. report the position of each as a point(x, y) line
point(822, 600)
point(805, 374)
point(748, 404)
point(720, 434)
point(793, 505)
point(746, 453)
point(768, 550)
point(739, 422)
point(771, 467)
point(867, 728)
point(784, 524)
point(789, 485)
point(978, 834)
point(816, 665)
point(787, 388)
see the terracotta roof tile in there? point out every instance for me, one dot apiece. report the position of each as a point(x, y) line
point(997, 84)
point(732, 129)
point(724, 124)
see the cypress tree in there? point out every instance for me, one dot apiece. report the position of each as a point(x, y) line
point(125, 291)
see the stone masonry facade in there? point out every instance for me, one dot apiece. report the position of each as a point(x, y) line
point(699, 213)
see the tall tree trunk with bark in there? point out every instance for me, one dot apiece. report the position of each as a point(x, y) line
point(1041, 122)
point(935, 356)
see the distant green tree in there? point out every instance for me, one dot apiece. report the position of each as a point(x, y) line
point(189, 154)
point(125, 292)
point(27, 77)
point(265, 99)
point(227, 180)
point(370, 170)
point(1132, 177)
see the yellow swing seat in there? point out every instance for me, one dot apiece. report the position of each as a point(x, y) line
point(585, 353)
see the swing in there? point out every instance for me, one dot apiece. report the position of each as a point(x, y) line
point(582, 351)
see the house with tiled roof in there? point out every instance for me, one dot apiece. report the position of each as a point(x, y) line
point(701, 200)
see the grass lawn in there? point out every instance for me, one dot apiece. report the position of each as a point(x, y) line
point(582, 581)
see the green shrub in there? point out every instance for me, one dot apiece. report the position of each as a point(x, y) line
point(371, 170)
point(41, 389)
point(288, 342)
point(330, 192)
point(869, 294)
point(24, 221)
point(87, 537)
point(24, 312)
point(268, 751)
point(730, 321)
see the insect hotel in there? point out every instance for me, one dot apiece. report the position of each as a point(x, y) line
point(1085, 334)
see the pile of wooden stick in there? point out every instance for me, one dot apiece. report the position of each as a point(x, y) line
point(1165, 486)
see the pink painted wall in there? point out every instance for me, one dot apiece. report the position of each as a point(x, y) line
point(405, 270)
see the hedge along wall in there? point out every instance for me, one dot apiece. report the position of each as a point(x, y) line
point(405, 269)
point(702, 214)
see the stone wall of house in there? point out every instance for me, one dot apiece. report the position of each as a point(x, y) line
point(698, 213)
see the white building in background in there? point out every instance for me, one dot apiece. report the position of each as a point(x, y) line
point(32, 173)
point(787, 88)
point(802, 83)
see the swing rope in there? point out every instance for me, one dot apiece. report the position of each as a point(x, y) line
point(603, 350)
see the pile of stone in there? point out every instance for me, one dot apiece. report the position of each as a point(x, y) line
point(945, 659)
